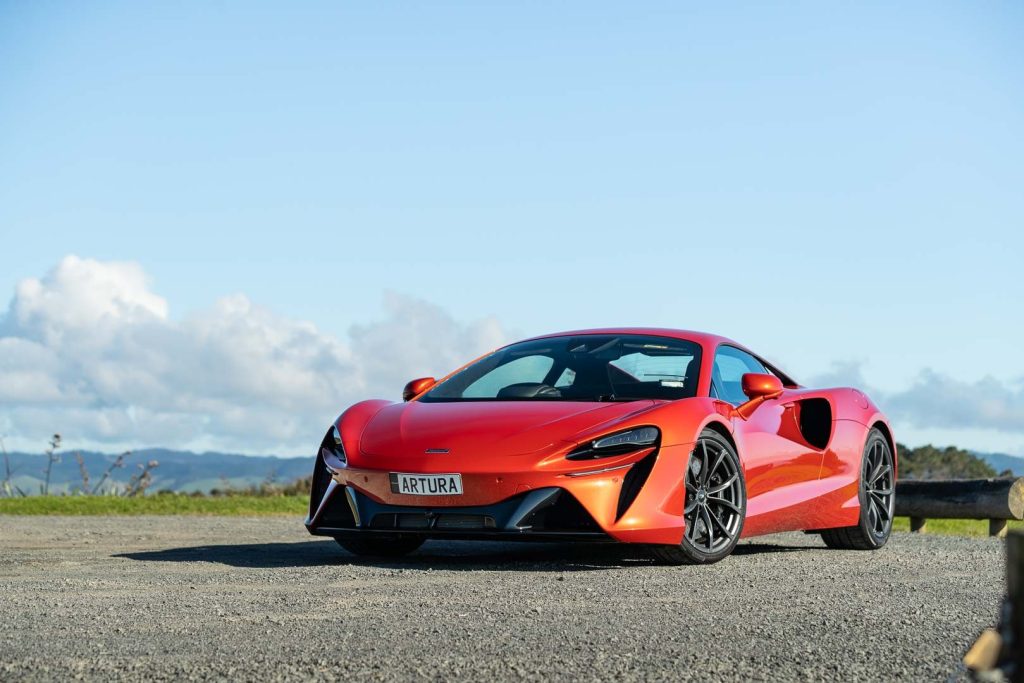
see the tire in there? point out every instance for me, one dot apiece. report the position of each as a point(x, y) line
point(380, 547)
point(877, 500)
point(716, 504)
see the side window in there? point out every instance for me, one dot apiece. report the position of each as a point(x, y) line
point(566, 379)
point(727, 375)
point(664, 369)
point(523, 369)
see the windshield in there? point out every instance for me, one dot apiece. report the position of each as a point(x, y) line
point(580, 368)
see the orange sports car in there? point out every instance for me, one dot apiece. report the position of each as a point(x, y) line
point(681, 441)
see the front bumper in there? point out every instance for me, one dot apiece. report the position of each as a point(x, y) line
point(639, 502)
point(542, 514)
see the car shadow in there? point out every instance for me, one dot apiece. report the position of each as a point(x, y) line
point(761, 548)
point(437, 555)
point(433, 556)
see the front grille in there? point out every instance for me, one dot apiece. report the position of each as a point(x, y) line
point(425, 520)
point(465, 522)
point(411, 521)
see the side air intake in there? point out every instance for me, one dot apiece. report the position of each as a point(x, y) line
point(633, 482)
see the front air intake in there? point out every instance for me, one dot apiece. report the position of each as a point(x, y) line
point(633, 482)
point(565, 514)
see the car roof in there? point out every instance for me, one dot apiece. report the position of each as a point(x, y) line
point(703, 338)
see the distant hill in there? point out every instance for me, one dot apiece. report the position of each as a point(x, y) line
point(178, 470)
point(1001, 462)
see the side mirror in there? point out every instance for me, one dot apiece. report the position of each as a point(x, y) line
point(758, 388)
point(756, 385)
point(417, 387)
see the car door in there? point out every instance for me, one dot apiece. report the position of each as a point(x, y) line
point(781, 473)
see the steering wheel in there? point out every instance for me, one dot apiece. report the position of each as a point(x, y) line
point(529, 390)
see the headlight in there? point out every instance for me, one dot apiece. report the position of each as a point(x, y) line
point(332, 446)
point(617, 444)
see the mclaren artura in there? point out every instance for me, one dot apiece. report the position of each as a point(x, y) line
point(681, 441)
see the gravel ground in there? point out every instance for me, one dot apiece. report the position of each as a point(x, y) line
point(199, 598)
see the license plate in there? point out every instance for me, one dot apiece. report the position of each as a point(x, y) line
point(426, 484)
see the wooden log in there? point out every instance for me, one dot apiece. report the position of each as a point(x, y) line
point(967, 499)
point(918, 525)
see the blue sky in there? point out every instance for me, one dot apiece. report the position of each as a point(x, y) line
point(838, 187)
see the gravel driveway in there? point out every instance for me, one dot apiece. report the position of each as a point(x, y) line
point(205, 597)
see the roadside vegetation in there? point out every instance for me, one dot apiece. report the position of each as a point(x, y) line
point(929, 462)
point(237, 505)
point(104, 496)
point(140, 480)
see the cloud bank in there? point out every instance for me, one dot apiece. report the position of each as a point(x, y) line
point(90, 351)
point(936, 401)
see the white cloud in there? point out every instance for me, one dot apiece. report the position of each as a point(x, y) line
point(987, 413)
point(841, 374)
point(91, 352)
point(420, 338)
point(935, 400)
point(82, 294)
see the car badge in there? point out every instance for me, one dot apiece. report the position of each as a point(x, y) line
point(435, 450)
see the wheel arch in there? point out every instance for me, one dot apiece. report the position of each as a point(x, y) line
point(723, 431)
point(881, 426)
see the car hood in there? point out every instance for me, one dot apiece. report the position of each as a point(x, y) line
point(499, 428)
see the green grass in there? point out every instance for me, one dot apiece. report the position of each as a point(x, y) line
point(243, 505)
point(240, 505)
point(953, 527)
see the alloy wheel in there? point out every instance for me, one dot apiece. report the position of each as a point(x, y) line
point(878, 488)
point(713, 497)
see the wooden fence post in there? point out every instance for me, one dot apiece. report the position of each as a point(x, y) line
point(1015, 602)
point(918, 524)
point(997, 527)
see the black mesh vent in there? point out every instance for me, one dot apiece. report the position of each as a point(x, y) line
point(633, 482)
point(567, 514)
point(423, 520)
point(465, 522)
point(338, 513)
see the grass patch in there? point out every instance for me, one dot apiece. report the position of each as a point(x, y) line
point(245, 505)
point(954, 527)
point(240, 505)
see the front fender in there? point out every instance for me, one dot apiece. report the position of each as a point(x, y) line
point(353, 421)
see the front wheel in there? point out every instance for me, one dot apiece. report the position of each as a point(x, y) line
point(716, 504)
point(380, 547)
point(877, 500)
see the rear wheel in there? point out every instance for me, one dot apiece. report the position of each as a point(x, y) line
point(877, 501)
point(380, 547)
point(716, 504)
